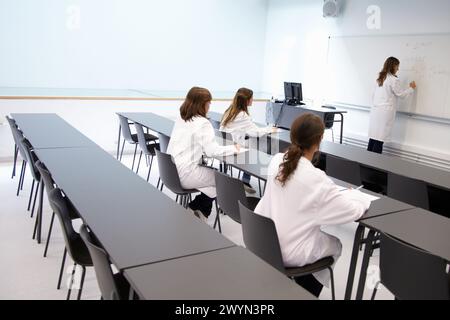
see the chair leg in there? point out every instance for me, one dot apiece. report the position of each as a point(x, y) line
point(31, 196)
point(20, 178)
point(134, 156)
point(121, 152)
point(150, 168)
point(49, 234)
point(260, 189)
point(176, 199)
point(139, 163)
point(81, 283)
point(16, 150)
point(333, 293)
point(35, 197)
point(159, 181)
point(374, 293)
point(162, 186)
point(24, 173)
point(69, 292)
point(217, 222)
point(39, 212)
point(62, 269)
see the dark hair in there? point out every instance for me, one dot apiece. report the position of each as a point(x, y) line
point(306, 132)
point(389, 68)
point(195, 103)
point(240, 103)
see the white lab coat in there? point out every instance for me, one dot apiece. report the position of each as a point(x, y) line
point(382, 115)
point(308, 201)
point(243, 124)
point(190, 140)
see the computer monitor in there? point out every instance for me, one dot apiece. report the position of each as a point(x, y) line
point(293, 93)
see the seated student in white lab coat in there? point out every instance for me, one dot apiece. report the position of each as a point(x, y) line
point(300, 199)
point(192, 137)
point(238, 122)
point(384, 109)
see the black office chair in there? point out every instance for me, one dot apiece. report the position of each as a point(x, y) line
point(343, 169)
point(230, 192)
point(329, 120)
point(31, 159)
point(49, 184)
point(410, 273)
point(112, 286)
point(13, 126)
point(148, 149)
point(74, 244)
point(18, 149)
point(411, 191)
point(169, 177)
point(131, 138)
point(260, 237)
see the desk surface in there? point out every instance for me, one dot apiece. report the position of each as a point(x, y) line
point(135, 222)
point(418, 227)
point(213, 277)
point(152, 121)
point(48, 130)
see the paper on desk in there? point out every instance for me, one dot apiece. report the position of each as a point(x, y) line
point(356, 194)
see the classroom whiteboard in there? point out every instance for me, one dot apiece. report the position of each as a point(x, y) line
point(354, 63)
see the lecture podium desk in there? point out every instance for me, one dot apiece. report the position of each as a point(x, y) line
point(228, 274)
point(134, 221)
point(48, 130)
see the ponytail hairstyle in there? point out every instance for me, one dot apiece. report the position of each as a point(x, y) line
point(306, 132)
point(195, 104)
point(240, 103)
point(389, 68)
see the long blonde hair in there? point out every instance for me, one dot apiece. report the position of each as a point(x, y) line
point(240, 103)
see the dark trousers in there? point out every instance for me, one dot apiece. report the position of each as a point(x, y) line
point(310, 284)
point(245, 178)
point(375, 146)
point(202, 203)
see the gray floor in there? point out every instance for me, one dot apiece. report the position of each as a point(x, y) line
point(25, 274)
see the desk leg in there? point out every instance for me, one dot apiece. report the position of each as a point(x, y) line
point(354, 260)
point(365, 265)
point(342, 127)
point(118, 142)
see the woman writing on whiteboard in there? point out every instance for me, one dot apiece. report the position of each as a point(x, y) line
point(382, 115)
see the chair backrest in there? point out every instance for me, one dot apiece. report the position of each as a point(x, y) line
point(31, 159)
point(412, 274)
point(102, 267)
point(60, 206)
point(408, 190)
point(261, 238)
point(125, 128)
point(163, 142)
point(329, 118)
point(141, 139)
point(230, 192)
point(17, 136)
point(168, 172)
point(343, 169)
point(215, 124)
point(46, 176)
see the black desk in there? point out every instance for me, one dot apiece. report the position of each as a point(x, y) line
point(283, 115)
point(48, 130)
point(134, 221)
point(228, 274)
point(417, 227)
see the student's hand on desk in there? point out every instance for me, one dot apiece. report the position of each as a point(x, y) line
point(413, 85)
point(274, 130)
point(237, 147)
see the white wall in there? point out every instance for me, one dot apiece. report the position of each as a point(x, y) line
point(139, 44)
point(296, 50)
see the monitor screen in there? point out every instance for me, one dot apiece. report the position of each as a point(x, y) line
point(293, 93)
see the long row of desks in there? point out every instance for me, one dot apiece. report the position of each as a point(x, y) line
point(417, 227)
point(162, 249)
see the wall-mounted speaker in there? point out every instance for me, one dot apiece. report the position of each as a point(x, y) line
point(331, 8)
